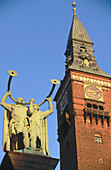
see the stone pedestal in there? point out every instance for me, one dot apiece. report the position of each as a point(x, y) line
point(25, 161)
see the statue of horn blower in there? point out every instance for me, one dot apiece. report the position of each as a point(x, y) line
point(13, 73)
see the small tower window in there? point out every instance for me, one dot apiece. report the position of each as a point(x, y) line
point(94, 106)
point(98, 138)
point(101, 108)
point(88, 105)
point(83, 49)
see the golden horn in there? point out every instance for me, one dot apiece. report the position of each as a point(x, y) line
point(54, 81)
point(12, 73)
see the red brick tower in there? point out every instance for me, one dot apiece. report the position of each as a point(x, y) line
point(84, 106)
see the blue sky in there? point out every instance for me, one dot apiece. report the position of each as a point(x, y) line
point(33, 38)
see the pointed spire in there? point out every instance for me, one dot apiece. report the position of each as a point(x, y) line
point(74, 7)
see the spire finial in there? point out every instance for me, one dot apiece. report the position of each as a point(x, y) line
point(74, 5)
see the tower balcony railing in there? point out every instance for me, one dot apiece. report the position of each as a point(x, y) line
point(96, 111)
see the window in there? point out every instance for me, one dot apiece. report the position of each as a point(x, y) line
point(88, 105)
point(64, 102)
point(94, 106)
point(101, 161)
point(83, 49)
point(98, 138)
point(101, 108)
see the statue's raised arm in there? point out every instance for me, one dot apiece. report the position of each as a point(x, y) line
point(3, 101)
point(50, 110)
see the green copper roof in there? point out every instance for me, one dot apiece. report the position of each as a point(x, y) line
point(78, 32)
point(79, 52)
point(90, 69)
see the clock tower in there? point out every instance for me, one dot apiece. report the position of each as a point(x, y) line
point(83, 105)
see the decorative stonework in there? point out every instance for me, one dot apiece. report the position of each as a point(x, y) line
point(90, 80)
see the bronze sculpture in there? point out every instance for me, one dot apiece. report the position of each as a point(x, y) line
point(25, 126)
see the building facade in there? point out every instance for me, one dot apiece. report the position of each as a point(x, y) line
point(83, 105)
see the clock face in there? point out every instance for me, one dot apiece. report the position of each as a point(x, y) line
point(93, 92)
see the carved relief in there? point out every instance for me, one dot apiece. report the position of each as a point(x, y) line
point(90, 80)
point(84, 57)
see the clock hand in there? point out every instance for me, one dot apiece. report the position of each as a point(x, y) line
point(90, 91)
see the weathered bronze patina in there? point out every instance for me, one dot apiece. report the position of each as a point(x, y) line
point(25, 126)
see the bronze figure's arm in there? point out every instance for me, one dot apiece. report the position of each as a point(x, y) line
point(31, 108)
point(50, 111)
point(3, 101)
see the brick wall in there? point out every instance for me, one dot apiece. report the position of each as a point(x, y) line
point(91, 155)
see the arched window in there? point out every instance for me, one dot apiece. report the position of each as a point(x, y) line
point(83, 49)
point(101, 108)
point(98, 138)
point(94, 106)
point(88, 105)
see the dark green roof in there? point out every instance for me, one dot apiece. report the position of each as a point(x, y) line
point(83, 61)
point(76, 30)
point(90, 69)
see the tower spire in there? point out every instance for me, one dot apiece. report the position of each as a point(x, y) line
point(74, 7)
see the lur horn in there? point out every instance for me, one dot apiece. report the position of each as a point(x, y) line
point(54, 81)
point(12, 74)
